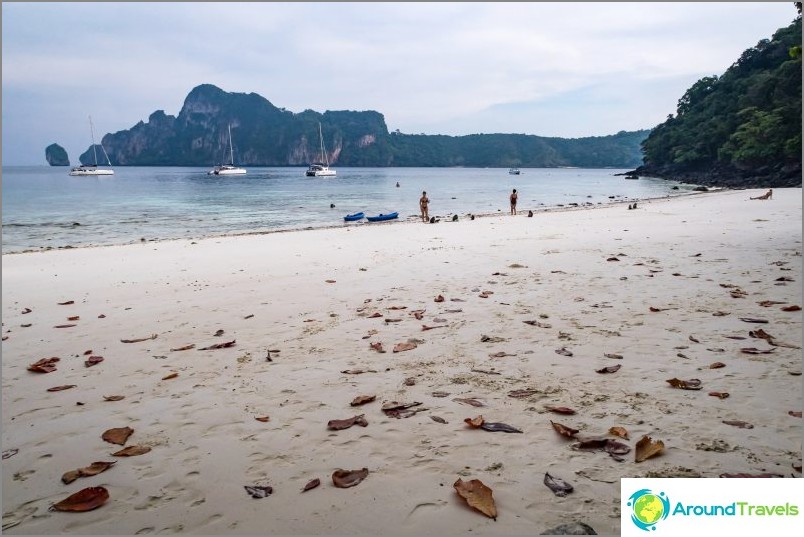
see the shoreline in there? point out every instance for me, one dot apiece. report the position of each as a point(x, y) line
point(410, 219)
point(232, 355)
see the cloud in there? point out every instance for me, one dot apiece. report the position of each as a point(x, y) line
point(553, 69)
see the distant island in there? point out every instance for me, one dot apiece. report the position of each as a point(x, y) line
point(56, 155)
point(265, 135)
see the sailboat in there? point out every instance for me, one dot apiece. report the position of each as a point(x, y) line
point(228, 169)
point(321, 168)
point(92, 169)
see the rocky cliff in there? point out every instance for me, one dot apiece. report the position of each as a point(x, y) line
point(56, 155)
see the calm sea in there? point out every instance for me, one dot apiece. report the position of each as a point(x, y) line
point(44, 207)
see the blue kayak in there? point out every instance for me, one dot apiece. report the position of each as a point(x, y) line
point(381, 217)
point(354, 217)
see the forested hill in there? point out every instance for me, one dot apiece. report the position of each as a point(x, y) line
point(265, 135)
point(739, 130)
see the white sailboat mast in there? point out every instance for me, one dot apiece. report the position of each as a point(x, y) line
point(231, 145)
point(92, 134)
point(324, 157)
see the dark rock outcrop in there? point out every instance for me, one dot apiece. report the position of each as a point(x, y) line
point(56, 155)
point(778, 176)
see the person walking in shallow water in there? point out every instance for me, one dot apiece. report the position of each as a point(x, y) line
point(513, 201)
point(424, 203)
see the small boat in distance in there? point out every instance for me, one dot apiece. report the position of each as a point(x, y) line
point(228, 169)
point(354, 217)
point(514, 171)
point(92, 169)
point(381, 217)
point(321, 168)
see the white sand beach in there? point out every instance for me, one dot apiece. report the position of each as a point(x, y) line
point(665, 291)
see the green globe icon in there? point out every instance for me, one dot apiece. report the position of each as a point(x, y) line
point(648, 509)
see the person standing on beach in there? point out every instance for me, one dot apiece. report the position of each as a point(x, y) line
point(424, 202)
point(513, 201)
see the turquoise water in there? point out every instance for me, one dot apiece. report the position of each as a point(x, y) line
point(43, 207)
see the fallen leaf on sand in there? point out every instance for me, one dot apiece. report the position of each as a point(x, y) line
point(357, 371)
point(647, 448)
point(474, 422)
point(92, 360)
point(563, 352)
point(426, 327)
point(791, 308)
point(406, 346)
point(401, 410)
point(8, 453)
point(26, 310)
point(609, 369)
point(377, 346)
point(170, 376)
point(93, 469)
point(152, 336)
point(84, 500)
point(338, 425)
point(60, 388)
point(716, 365)
point(439, 298)
point(45, 365)
point(612, 447)
point(477, 495)
point(692, 384)
point(225, 345)
point(259, 491)
point(613, 356)
point(330, 281)
point(469, 401)
point(64, 325)
point(184, 348)
point(537, 324)
point(519, 394)
point(67, 303)
point(754, 350)
point(794, 413)
point(393, 320)
point(438, 419)
point(560, 410)
point(362, 400)
point(619, 431)
point(753, 320)
point(720, 395)
point(73, 318)
point(118, 435)
point(264, 419)
point(738, 423)
point(559, 487)
point(654, 309)
point(419, 314)
point(131, 451)
point(497, 427)
point(375, 315)
point(486, 294)
point(348, 478)
point(313, 483)
point(563, 430)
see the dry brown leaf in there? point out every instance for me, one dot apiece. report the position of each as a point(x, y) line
point(45, 365)
point(609, 369)
point(794, 413)
point(362, 400)
point(377, 346)
point(93, 469)
point(406, 346)
point(561, 410)
point(152, 336)
point(184, 348)
point(84, 500)
point(92, 360)
point(716, 365)
point(519, 394)
point(117, 435)
point(64, 325)
point(348, 478)
point(474, 422)
point(113, 397)
point(313, 483)
point(66, 303)
point(559, 487)
point(791, 308)
point(73, 318)
point(738, 423)
point(439, 298)
point(330, 281)
point(131, 451)
point(170, 376)
point(477, 495)
point(619, 431)
point(264, 419)
point(613, 356)
point(563, 430)
point(219, 346)
point(692, 384)
point(720, 395)
point(60, 388)
point(647, 448)
point(337, 425)
point(469, 401)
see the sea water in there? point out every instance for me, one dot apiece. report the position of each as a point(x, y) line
point(44, 207)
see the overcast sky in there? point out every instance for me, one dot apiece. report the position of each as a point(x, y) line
point(551, 69)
